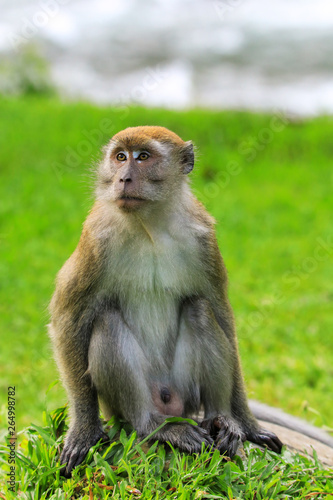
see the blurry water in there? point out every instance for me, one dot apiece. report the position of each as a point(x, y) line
point(181, 53)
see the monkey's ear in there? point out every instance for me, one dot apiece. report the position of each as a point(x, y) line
point(187, 157)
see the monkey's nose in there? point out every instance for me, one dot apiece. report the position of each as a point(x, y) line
point(125, 178)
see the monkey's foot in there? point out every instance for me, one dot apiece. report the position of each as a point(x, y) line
point(265, 438)
point(227, 433)
point(186, 437)
point(77, 445)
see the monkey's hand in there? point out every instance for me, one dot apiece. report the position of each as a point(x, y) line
point(186, 437)
point(227, 433)
point(77, 444)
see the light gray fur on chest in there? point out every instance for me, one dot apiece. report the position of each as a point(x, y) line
point(150, 277)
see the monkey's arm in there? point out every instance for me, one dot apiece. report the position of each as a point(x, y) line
point(224, 329)
point(72, 316)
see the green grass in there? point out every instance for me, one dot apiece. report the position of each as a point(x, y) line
point(128, 469)
point(267, 182)
point(269, 218)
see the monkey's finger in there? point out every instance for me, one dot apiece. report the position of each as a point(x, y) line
point(64, 455)
point(229, 450)
point(204, 436)
point(64, 461)
point(208, 442)
point(229, 443)
point(79, 457)
point(273, 444)
point(233, 447)
point(193, 438)
point(268, 439)
point(207, 424)
point(64, 472)
point(218, 423)
point(75, 457)
point(276, 441)
point(71, 456)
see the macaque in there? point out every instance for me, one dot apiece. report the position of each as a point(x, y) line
point(141, 322)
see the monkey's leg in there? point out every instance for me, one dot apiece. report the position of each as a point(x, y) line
point(204, 355)
point(121, 372)
point(242, 413)
point(227, 416)
point(85, 427)
point(84, 431)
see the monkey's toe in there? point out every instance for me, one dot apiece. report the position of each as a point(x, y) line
point(229, 440)
point(198, 437)
point(209, 427)
point(266, 438)
point(186, 437)
point(228, 443)
point(226, 432)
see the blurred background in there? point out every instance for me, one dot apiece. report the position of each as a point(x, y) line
point(179, 53)
point(250, 82)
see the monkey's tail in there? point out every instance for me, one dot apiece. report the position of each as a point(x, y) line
point(276, 416)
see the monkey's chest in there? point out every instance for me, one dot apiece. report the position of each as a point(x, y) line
point(165, 267)
point(150, 282)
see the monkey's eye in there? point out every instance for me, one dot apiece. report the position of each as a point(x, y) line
point(143, 156)
point(121, 157)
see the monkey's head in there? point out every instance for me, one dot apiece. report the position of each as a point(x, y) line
point(143, 166)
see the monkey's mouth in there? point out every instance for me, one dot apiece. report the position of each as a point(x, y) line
point(129, 202)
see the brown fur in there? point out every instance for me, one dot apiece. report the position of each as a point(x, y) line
point(141, 321)
point(139, 136)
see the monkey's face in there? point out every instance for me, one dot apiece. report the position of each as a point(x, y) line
point(140, 170)
point(140, 174)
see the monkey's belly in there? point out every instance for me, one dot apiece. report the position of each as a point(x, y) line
point(167, 401)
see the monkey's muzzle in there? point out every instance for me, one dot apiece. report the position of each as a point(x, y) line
point(130, 202)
